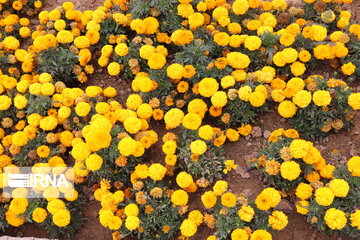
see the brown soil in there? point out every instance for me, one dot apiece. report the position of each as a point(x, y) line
point(250, 183)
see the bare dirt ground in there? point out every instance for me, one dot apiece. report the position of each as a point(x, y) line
point(250, 183)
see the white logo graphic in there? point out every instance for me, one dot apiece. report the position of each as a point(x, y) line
point(36, 180)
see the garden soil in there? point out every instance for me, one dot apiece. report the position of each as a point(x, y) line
point(346, 144)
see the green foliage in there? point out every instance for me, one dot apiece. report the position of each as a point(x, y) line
point(226, 223)
point(194, 54)
point(347, 204)
point(59, 63)
point(171, 21)
point(242, 112)
point(316, 122)
point(163, 213)
point(77, 220)
point(353, 57)
point(38, 104)
point(142, 8)
point(227, 219)
point(22, 159)
point(4, 63)
point(3, 224)
point(272, 152)
point(110, 170)
point(164, 86)
point(210, 165)
point(109, 27)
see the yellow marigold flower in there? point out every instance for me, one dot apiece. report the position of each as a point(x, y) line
point(302, 98)
point(179, 198)
point(196, 216)
point(221, 38)
point(339, 187)
point(132, 125)
point(169, 147)
point(206, 132)
point(175, 71)
point(335, 219)
point(173, 118)
point(156, 61)
point(131, 210)
point(253, 43)
point(261, 234)
point(348, 68)
point(353, 166)
point(209, 199)
point(321, 98)
point(18, 205)
point(287, 109)
point(302, 207)
point(299, 148)
point(219, 99)
point(182, 37)
point(198, 147)
point(246, 213)
point(228, 199)
point(268, 198)
point(82, 109)
point(257, 99)
point(278, 220)
point(355, 219)
point(324, 196)
point(132, 223)
point(43, 151)
point(240, 7)
point(297, 69)
point(354, 101)
point(127, 146)
point(62, 218)
point(157, 171)
point(287, 39)
point(19, 139)
point(238, 60)
point(327, 171)
point(39, 215)
point(184, 180)
point(114, 68)
point(220, 187)
point(320, 32)
point(48, 123)
point(304, 56)
point(196, 20)
point(304, 191)
point(5, 102)
point(11, 43)
point(192, 121)
point(239, 234)
point(290, 170)
point(94, 162)
point(188, 228)
point(227, 81)
point(208, 86)
point(245, 93)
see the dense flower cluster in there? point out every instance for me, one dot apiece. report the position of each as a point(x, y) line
point(234, 216)
point(293, 159)
point(325, 192)
point(207, 70)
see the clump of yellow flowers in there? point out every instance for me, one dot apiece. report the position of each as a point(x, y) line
point(201, 73)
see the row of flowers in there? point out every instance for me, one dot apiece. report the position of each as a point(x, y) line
point(207, 69)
